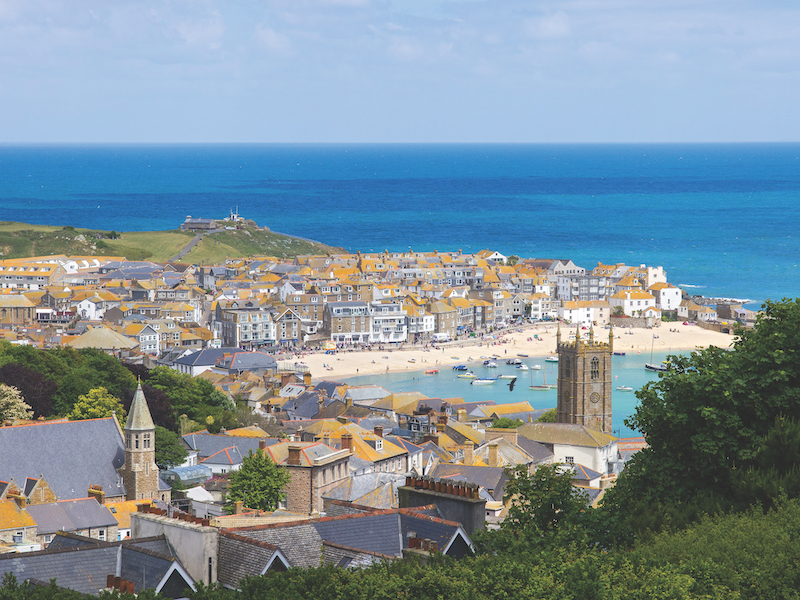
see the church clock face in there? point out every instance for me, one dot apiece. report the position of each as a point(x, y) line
point(594, 397)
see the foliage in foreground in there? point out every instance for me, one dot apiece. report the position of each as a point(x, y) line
point(259, 482)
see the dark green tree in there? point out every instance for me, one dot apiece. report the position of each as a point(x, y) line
point(506, 423)
point(259, 482)
point(170, 451)
point(549, 417)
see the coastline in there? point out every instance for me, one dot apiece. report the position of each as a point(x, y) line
point(510, 342)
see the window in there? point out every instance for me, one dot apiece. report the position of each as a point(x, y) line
point(569, 459)
point(101, 535)
point(595, 368)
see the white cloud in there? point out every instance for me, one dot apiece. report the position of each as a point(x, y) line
point(272, 40)
point(548, 27)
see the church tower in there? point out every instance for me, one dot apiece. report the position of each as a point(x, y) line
point(140, 473)
point(584, 381)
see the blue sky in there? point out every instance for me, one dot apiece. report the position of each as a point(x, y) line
point(399, 71)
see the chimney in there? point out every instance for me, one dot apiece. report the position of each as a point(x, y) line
point(96, 492)
point(238, 507)
point(321, 403)
point(348, 401)
point(494, 460)
point(18, 497)
point(307, 378)
point(462, 415)
point(262, 445)
point(294, 454)
point(378, 430)
point(347, 442)
point(431, 437)
point(469, 456)
point(326, 439)
point(442, 421)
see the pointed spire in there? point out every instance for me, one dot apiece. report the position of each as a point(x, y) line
point(139, 418)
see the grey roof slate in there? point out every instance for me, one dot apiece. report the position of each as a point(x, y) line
point(300, 543)
point(489, 478)
point(250, 361)
point(240, 557)
point(207, 444)
point(71, 455)
point(205, 357)
point(376, 533)
point(71, 515)
point(539, 452)
point(144, 568)
point(328, 387)
point(435, 530)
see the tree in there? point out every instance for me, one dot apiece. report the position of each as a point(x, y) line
point(259, 482)
point(37, 389)
point(551, 416)
point(12, 404)
point(706, 420)
point(617, 311)
point(546, 511)
point(169, 449)
point(97, 404)
point(506, 423)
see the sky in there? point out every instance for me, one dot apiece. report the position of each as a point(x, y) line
point(344, 71)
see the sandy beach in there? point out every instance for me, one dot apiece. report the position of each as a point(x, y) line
point(671, 337)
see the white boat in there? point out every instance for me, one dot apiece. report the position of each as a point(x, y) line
point(536, 367)
point(506, 376)
point(522, 367)
point(551, 359)
point(466, 375)
point(484, 381)
point(514, 361)
point(490, 364)
point(624, 388)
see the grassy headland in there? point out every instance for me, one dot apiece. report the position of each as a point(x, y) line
point(21, 240)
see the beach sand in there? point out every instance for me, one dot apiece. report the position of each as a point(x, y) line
point(345, 364)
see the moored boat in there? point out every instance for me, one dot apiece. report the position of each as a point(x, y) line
point(536, 367)
point(431, 371)
point(506, 376)
point(624, 388)
point(490, 364)
point(658, 368)
point(466, 375)
point(522, 367)
point(460, 368)
point(551, 359)
point(514, 361)
point(484, 381)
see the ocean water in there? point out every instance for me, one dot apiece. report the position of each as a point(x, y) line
point(721, 219)
point(626, 370)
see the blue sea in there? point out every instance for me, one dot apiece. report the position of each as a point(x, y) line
point(626, 370)
point(720, 218)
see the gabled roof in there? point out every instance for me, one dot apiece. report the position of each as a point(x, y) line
point(71, 515)
point(71, 455)
point(565, 434)
point(207, 444)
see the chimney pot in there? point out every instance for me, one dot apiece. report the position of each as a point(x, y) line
point(110, 581)
point(262, 444)
point(117, 582)
point(378, 429)
point(347, 441)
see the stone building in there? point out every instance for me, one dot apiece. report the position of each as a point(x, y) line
point(584, 381)
point(140, 473)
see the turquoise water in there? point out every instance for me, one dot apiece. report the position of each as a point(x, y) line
point(626, 370)
point(718, 217)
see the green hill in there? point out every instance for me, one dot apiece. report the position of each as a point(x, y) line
point(21, 240)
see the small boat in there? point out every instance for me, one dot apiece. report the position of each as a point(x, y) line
point(514, 361)
point(539, 388)
point(522, 355)
point(506, 376)
point(431, 371)
point(624, 388)
point(551, 359)
point(490, 364)
point(535, 367)
point(466, 375)
point(657, 368)
point(413, 360)
point(460, 368)
point(522, 367)
point(454, 357)
point(619, 354)
point(484, 380)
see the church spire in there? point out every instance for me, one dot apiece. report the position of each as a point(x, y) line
point(139, 419)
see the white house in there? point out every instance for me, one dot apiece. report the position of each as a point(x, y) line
point(575, 444)
point(633, 302)
point(668, 297)
point(585, 312)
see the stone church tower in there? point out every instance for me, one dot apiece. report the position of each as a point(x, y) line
point(584, 381)
point(140, 473)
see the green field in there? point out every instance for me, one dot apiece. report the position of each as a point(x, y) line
point(21, 240)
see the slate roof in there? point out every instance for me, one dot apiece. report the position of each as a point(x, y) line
point(329, 387)
point(82, 564)
point(71, 455)
point(489, 478)
point(227, 456)
point(139, 418)
point(205, 357)
point(71, 515)
point(383, 532)
point(240, 557)
point(249, 361)
point(208, 444)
